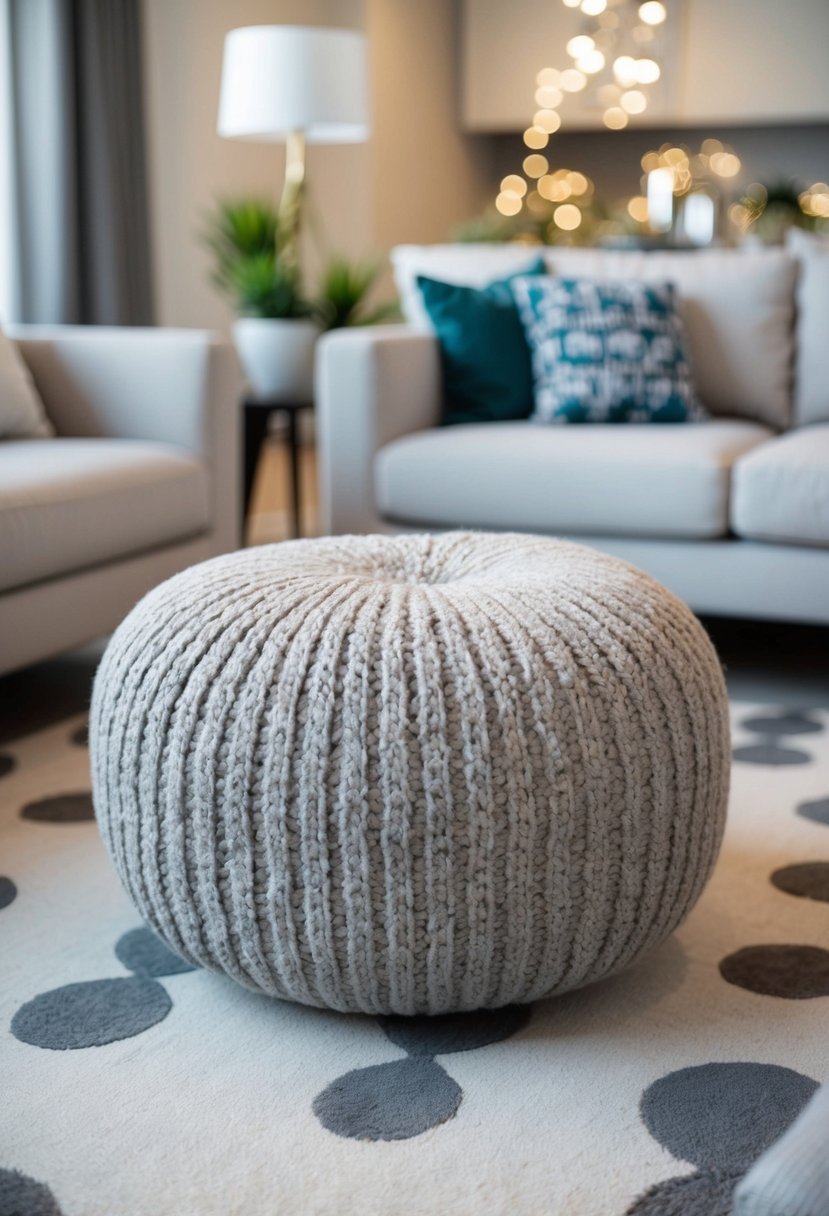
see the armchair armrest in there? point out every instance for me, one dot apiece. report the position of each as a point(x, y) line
point(180, 387)
point(372, 386)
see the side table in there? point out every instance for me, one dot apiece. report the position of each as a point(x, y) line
point(257, 413)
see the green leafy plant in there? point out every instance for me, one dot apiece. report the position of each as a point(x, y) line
point(343, 294)
point(244, 238)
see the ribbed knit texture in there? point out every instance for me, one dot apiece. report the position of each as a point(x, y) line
point(411, 774)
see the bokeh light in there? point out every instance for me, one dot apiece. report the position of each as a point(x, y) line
point(567, 217)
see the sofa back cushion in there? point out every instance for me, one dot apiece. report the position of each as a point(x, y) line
point(738, 309)
point(811, 386)
point(22, 415)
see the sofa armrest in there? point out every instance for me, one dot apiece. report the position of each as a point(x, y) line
point(372, 386)
point(180, 387)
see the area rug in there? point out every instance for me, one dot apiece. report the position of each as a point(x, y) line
point(133, 1085)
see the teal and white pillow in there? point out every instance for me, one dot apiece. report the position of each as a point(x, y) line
point(606, 351)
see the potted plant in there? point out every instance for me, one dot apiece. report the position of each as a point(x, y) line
point(277, 325)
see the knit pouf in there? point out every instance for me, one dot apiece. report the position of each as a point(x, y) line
point(412, 774)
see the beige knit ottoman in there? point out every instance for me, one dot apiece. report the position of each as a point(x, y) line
point(411, 774)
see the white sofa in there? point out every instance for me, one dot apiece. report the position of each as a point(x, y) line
point(141, 479)
point(731, 513)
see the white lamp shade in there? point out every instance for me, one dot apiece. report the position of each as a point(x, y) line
point(282, 78)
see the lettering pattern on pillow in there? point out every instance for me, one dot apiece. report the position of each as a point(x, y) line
point(606, 351)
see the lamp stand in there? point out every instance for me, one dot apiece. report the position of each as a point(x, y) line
point(290, 205)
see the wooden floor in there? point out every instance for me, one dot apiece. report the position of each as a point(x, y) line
point(269, 518)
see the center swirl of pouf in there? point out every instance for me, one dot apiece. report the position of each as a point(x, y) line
point(411, 774)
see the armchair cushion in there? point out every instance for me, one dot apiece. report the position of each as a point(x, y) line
point(69, 504)
point(21, 411)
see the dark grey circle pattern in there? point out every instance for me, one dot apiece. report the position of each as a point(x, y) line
point(23, 1196)
point(793, 972)
point(770, 753)
point(8, 894)
point(61, 808)
point(144, 954)
point(808, 879)
point(789, 722)
point(447, 1033)
point(724, 1116)
point(393, 1101)
point(705, 1193)
point(91, 1014)
point(7, 763)
point(816, 811)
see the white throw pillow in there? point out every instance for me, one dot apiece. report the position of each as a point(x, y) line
point(22, 415)
point(737, 307)
point(811, 390)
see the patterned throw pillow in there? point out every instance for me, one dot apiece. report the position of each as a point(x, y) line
point(606, 351)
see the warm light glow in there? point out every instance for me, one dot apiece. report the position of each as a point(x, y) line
point(548, 76)
point(508, 204)
point(647, 71)
point(554, 188)
point(642, 34)
point(725, 164)
point(578, 183)
point(591, 63)
point(572, 3)
point(740, 215)
point(592, 8)
point(634, 102)
point(652, 12)
point(638, 209)
point(534, 166)
point(624, 69)
point(567, 217)
point(582, 44)
point(536, 137)
point(547, 120)
point(650, 161)
point(608, 94)
point(572, 80)
point(548, 96)
point(710, 147)
point(513, 184)
point(615, 118)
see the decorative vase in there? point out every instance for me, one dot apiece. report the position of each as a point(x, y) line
point(278, 356)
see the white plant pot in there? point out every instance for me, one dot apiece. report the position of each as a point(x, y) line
point(278, 356)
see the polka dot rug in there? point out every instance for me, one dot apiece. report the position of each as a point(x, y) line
point(134, 1085)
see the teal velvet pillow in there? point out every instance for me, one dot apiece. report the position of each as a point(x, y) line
point(485, 356)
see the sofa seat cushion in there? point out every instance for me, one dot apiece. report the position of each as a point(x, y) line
point(66, 504)
point(781, 489)
point(627, 480)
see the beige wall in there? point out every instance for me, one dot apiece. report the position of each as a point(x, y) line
point(414, 180)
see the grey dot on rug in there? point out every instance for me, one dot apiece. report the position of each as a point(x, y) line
point(794, 972)
point(61, 808)
point(23, 1196)
point(808, 879)
point(6, 764)
point(393, 1101)
point(791, 722)
point(770, 753)
point(723, 1116)
point(451, 1032)
point(8, 892)
point(91, 1014)
point(143, 953)
point(816, 811)
point(706, 1193)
